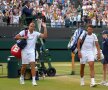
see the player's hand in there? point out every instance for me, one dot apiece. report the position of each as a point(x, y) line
point(99, 56)
point(79, 54)
point(43, 25)
point(25, 37)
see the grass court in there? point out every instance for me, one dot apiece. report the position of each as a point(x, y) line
point(62, 81)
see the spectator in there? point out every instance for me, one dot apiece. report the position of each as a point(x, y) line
point(27, 11)
point(1, 17)
point(52, 22)
point(67, 22)
point(94, 22)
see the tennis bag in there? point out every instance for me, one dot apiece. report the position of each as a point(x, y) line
point(74, 39)
point(16, 51)
point(16, 48)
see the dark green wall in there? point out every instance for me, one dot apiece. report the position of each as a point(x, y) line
point(4, 55)
point(57, 48)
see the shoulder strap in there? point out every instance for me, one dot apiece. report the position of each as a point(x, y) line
point(26, 32)
point(83, 39)
point(79, 33)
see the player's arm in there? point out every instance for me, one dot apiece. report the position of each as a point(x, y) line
point(79, 44)
point(44, 34)
point(98, 49)
point(78, 47)
point(20, 36)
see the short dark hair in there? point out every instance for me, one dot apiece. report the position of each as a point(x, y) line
point(26, 2)
point(90, 26)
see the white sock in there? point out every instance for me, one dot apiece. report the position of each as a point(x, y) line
point(22, 76)
point(82, 78)
point(92, 80)
point(33, 79)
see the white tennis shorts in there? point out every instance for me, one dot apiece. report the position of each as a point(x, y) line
point(87, 56)
point(28, 57)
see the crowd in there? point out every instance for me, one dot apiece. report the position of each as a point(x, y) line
point(95, 12)
point(57, 12)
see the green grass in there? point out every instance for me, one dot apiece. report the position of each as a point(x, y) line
point(62, 81)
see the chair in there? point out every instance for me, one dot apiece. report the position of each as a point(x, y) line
point(1, 65)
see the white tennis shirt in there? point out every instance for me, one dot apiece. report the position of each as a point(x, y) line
point(89, 42)
point(31, 41)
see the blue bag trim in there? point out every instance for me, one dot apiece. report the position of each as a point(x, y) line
point(22, 43)
point(74, 46)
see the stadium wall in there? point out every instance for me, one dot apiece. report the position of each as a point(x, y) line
point(56, 42)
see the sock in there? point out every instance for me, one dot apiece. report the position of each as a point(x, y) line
point(33, 79)
point(82, 78)
point(92, 80)
point(22, 76)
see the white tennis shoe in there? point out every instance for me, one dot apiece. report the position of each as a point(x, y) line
point(93, 85)
point(22, 80)
point(34, 83)
point(82, 82)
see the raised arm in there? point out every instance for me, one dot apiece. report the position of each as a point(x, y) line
point(44, 34)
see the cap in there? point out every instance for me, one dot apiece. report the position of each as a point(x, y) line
point(105, 32)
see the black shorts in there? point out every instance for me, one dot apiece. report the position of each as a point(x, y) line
point(105, 60)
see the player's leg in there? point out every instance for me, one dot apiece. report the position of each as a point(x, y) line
point(23, 67)
point(92, 73)
point(82, 66)
point(90, 57)
point(83, 61)
point(32, 65)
